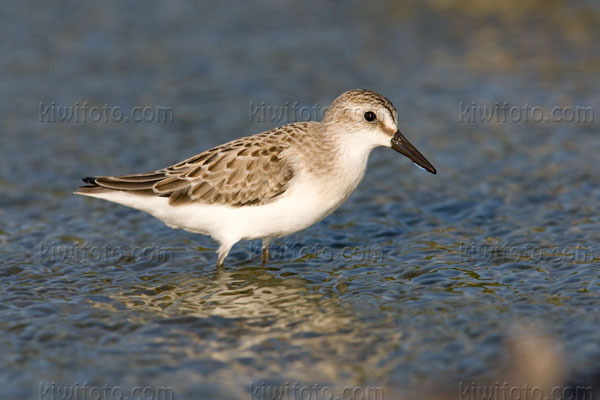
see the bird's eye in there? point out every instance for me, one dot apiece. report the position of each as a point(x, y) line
point(370, 116)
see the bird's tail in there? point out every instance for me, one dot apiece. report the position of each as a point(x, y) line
point(139, 184)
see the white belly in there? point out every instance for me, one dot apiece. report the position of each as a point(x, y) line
point(301, 206)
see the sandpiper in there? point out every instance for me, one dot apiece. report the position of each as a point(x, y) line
point(267, 185)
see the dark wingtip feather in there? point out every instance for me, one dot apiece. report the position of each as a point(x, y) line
point(90, 180)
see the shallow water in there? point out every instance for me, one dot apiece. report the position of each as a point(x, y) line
point(416, 279)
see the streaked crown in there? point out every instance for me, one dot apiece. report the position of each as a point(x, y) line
point(358, 99)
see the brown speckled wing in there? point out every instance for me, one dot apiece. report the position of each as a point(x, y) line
point(246, 171)
point(242, 172)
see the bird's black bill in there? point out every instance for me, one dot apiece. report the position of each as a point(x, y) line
point(403, 146)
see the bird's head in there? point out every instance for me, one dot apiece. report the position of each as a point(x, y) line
point(373, 121)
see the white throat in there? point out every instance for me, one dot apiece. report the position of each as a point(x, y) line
point(350, 163)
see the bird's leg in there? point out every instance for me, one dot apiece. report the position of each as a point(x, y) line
point(265, 250)
point(223, 252)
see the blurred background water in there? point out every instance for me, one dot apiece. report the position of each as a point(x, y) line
point(416, 280)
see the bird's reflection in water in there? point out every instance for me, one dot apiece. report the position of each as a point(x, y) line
point(246, 292)
point(241, 315)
